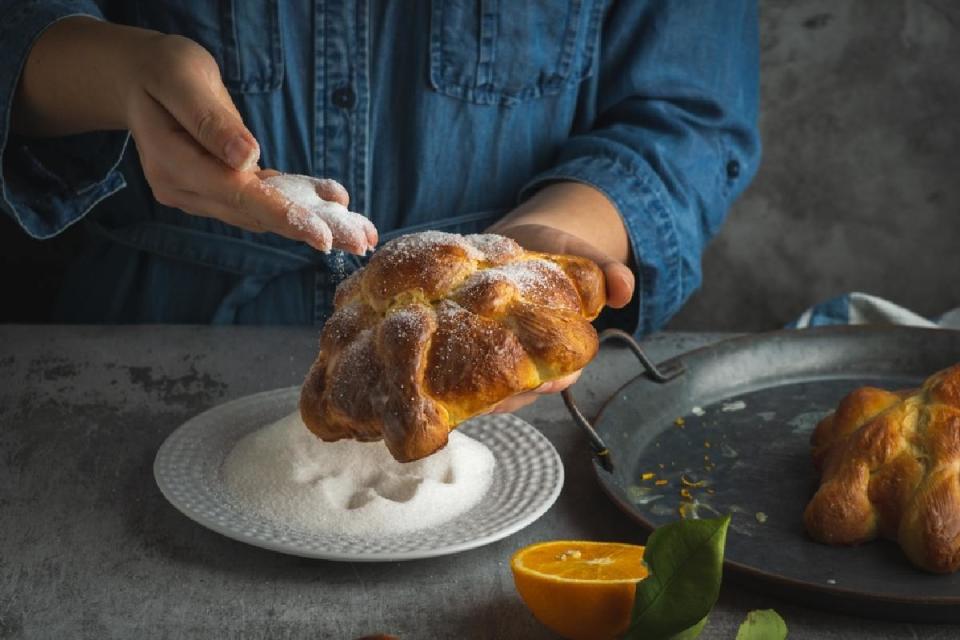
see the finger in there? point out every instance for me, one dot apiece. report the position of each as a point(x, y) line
point(523, 399)
point(291, 220)
point(330, 190)
point(333, 191)
point(514, 403)
point(218, 131)
point(197, 205)
point(301, 224)
point(373, 236)
point(620, 284)
point(619, 278)
point(197, 99)
point(349, 228)
point(558, 385)
point(350, 231)
point(242, 199)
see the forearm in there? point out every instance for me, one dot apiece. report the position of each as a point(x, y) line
point(577, 209)
point(77, 78)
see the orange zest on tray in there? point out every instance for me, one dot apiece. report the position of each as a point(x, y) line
point(580, 589)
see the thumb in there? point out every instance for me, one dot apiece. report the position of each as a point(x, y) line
point(619, 278)
point(202, 106)
point(620, 283)
point(221, 132)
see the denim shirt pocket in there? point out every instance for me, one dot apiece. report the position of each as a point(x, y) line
point(501, 52)
point(243, 37)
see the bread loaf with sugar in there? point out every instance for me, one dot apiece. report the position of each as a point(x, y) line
point(890, 467)
point(438, 328)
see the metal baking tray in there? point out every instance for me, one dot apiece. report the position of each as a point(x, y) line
point(761, 397)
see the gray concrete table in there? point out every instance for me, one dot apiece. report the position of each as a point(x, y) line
point(90, 549)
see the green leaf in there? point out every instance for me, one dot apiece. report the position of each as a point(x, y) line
point(765, 624)
point(691, 633)
point(686, 566)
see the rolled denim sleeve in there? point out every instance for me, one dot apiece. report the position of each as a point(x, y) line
point(669, 135)
point(48, 184)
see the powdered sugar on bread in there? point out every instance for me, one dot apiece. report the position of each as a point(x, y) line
point(482, 247)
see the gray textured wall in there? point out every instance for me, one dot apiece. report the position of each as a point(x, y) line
point(859, 188)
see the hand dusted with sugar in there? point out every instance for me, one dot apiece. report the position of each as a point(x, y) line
point(329, 224)
point(438, 328)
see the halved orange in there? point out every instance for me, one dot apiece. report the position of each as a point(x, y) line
point(580, 589)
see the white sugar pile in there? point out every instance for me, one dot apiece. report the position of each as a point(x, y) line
point(288, 475)
point(330, 223)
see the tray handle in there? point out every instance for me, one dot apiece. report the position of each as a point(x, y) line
point(663, 373)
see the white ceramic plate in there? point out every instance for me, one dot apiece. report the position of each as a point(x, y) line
point(527, 480)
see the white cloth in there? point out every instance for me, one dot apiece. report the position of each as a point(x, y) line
point(863, 308)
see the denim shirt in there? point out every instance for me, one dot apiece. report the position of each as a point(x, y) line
point(437, 114)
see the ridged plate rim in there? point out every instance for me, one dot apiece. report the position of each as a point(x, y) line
point(528, 478)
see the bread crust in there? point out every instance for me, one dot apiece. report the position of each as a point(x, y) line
point(890, 467)
point(438, 328)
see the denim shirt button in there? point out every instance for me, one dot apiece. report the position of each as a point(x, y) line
point(733, 169)
point(344, 97)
